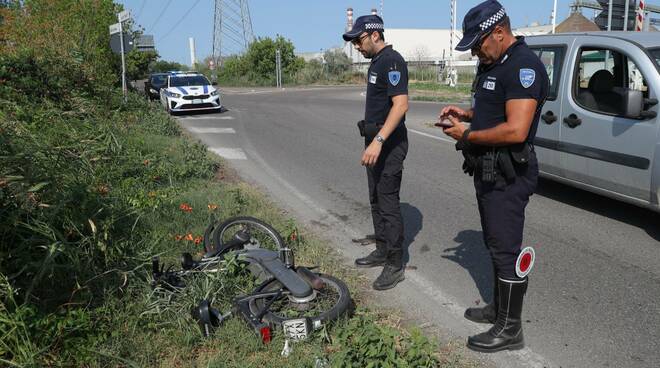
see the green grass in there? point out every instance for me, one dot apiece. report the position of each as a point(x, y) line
point(90, 190)
point(438, 92)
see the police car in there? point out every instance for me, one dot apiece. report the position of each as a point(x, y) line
point(189, 91)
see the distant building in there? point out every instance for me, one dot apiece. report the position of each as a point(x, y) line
point(145, 43)
point(432, 46)
point(309, 56)
point(576, 22)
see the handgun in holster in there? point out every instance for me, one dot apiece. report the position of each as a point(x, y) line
point(470, 161)
point(505, 164)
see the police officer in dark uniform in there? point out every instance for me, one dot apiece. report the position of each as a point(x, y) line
point(386, 145)
point(509, 91)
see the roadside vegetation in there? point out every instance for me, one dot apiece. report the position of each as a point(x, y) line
point(91, 187)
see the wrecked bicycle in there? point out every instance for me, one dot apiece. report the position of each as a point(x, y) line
point(291, 297)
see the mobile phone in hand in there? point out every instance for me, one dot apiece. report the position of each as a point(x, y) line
point(444, 123)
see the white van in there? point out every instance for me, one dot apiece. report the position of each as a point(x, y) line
point(599, 129)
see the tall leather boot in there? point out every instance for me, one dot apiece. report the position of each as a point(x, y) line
point(507, 332)
point(487, 313)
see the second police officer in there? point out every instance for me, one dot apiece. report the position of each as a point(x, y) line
point(509, 91)
point(386, 145)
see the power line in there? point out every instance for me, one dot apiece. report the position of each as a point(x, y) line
point(151, 29)
point(180, 20)
point(144, 2)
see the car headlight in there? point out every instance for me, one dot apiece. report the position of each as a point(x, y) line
point(175, 95)
point(152, 90)
point(215, 93)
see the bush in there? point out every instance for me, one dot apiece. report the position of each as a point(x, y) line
point(365, 343)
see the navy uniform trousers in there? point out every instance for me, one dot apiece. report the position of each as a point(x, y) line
point(384, 181)
point(502, 211)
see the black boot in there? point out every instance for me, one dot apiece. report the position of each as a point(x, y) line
point(487, 313)
point(507, 332)
point(393, 272)
point(374, 259)
point(388, 279)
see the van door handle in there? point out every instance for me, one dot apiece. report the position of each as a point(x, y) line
point(549, 117)
point(572, 121)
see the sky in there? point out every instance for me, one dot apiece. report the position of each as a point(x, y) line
point(312, 25)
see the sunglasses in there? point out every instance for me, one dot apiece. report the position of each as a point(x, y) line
point(358, 41)
point(477, 46)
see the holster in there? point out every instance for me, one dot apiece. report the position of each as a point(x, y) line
point(471, 159)
point(511, 157)
point(368, 130)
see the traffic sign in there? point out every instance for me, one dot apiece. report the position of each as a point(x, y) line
point(124, 16)
point(115, 43)
point(114, 28)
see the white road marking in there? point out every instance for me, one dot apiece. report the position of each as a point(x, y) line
point(229, 153)
point(209, 117)
point(212, 130)
point(431, 136)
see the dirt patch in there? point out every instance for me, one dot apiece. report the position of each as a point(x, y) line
point(227, 174)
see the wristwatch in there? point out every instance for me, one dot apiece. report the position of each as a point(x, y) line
point(380, 139)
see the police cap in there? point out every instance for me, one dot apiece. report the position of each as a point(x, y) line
point(478, 21)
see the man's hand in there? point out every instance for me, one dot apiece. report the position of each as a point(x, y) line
point(455, 111)
point(457, 130)
point(370, 155)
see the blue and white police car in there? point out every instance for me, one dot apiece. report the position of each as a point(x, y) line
point(189, 91)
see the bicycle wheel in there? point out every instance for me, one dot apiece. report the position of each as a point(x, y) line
point(209, 245)
point(261, 234)
point(328, 304)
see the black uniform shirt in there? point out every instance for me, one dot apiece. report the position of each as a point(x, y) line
point(518, 74)
point(387, 77)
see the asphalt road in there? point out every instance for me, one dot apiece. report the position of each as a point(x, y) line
point(594, 292)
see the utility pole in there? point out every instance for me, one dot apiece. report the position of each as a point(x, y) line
point(278, 68)
point(609, 16)
point(451, 71)
point(625, 16)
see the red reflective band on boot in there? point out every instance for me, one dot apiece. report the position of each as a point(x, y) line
point(525, 262)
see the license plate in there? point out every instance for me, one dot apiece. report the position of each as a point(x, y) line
point(296, 329)
point(198, 101)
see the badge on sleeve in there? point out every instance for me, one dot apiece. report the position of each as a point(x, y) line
point(527, 77)
point(394, 77)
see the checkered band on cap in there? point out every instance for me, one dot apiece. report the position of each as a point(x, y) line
point(373, 26)
point(492, 20)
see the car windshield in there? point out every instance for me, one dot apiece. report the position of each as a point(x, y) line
point(158, 80)
point(656, 55)
point(197, 80)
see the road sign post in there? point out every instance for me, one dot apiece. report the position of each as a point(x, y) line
point(123, 58)
point(118, 28)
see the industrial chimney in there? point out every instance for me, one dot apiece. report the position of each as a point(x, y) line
point(349, 19)
point(193, 58)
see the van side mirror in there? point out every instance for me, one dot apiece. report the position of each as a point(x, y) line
point(633, 104)
point(214, 83)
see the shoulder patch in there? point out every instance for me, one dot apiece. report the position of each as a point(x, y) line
point(394, 76)
point(527, 77)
